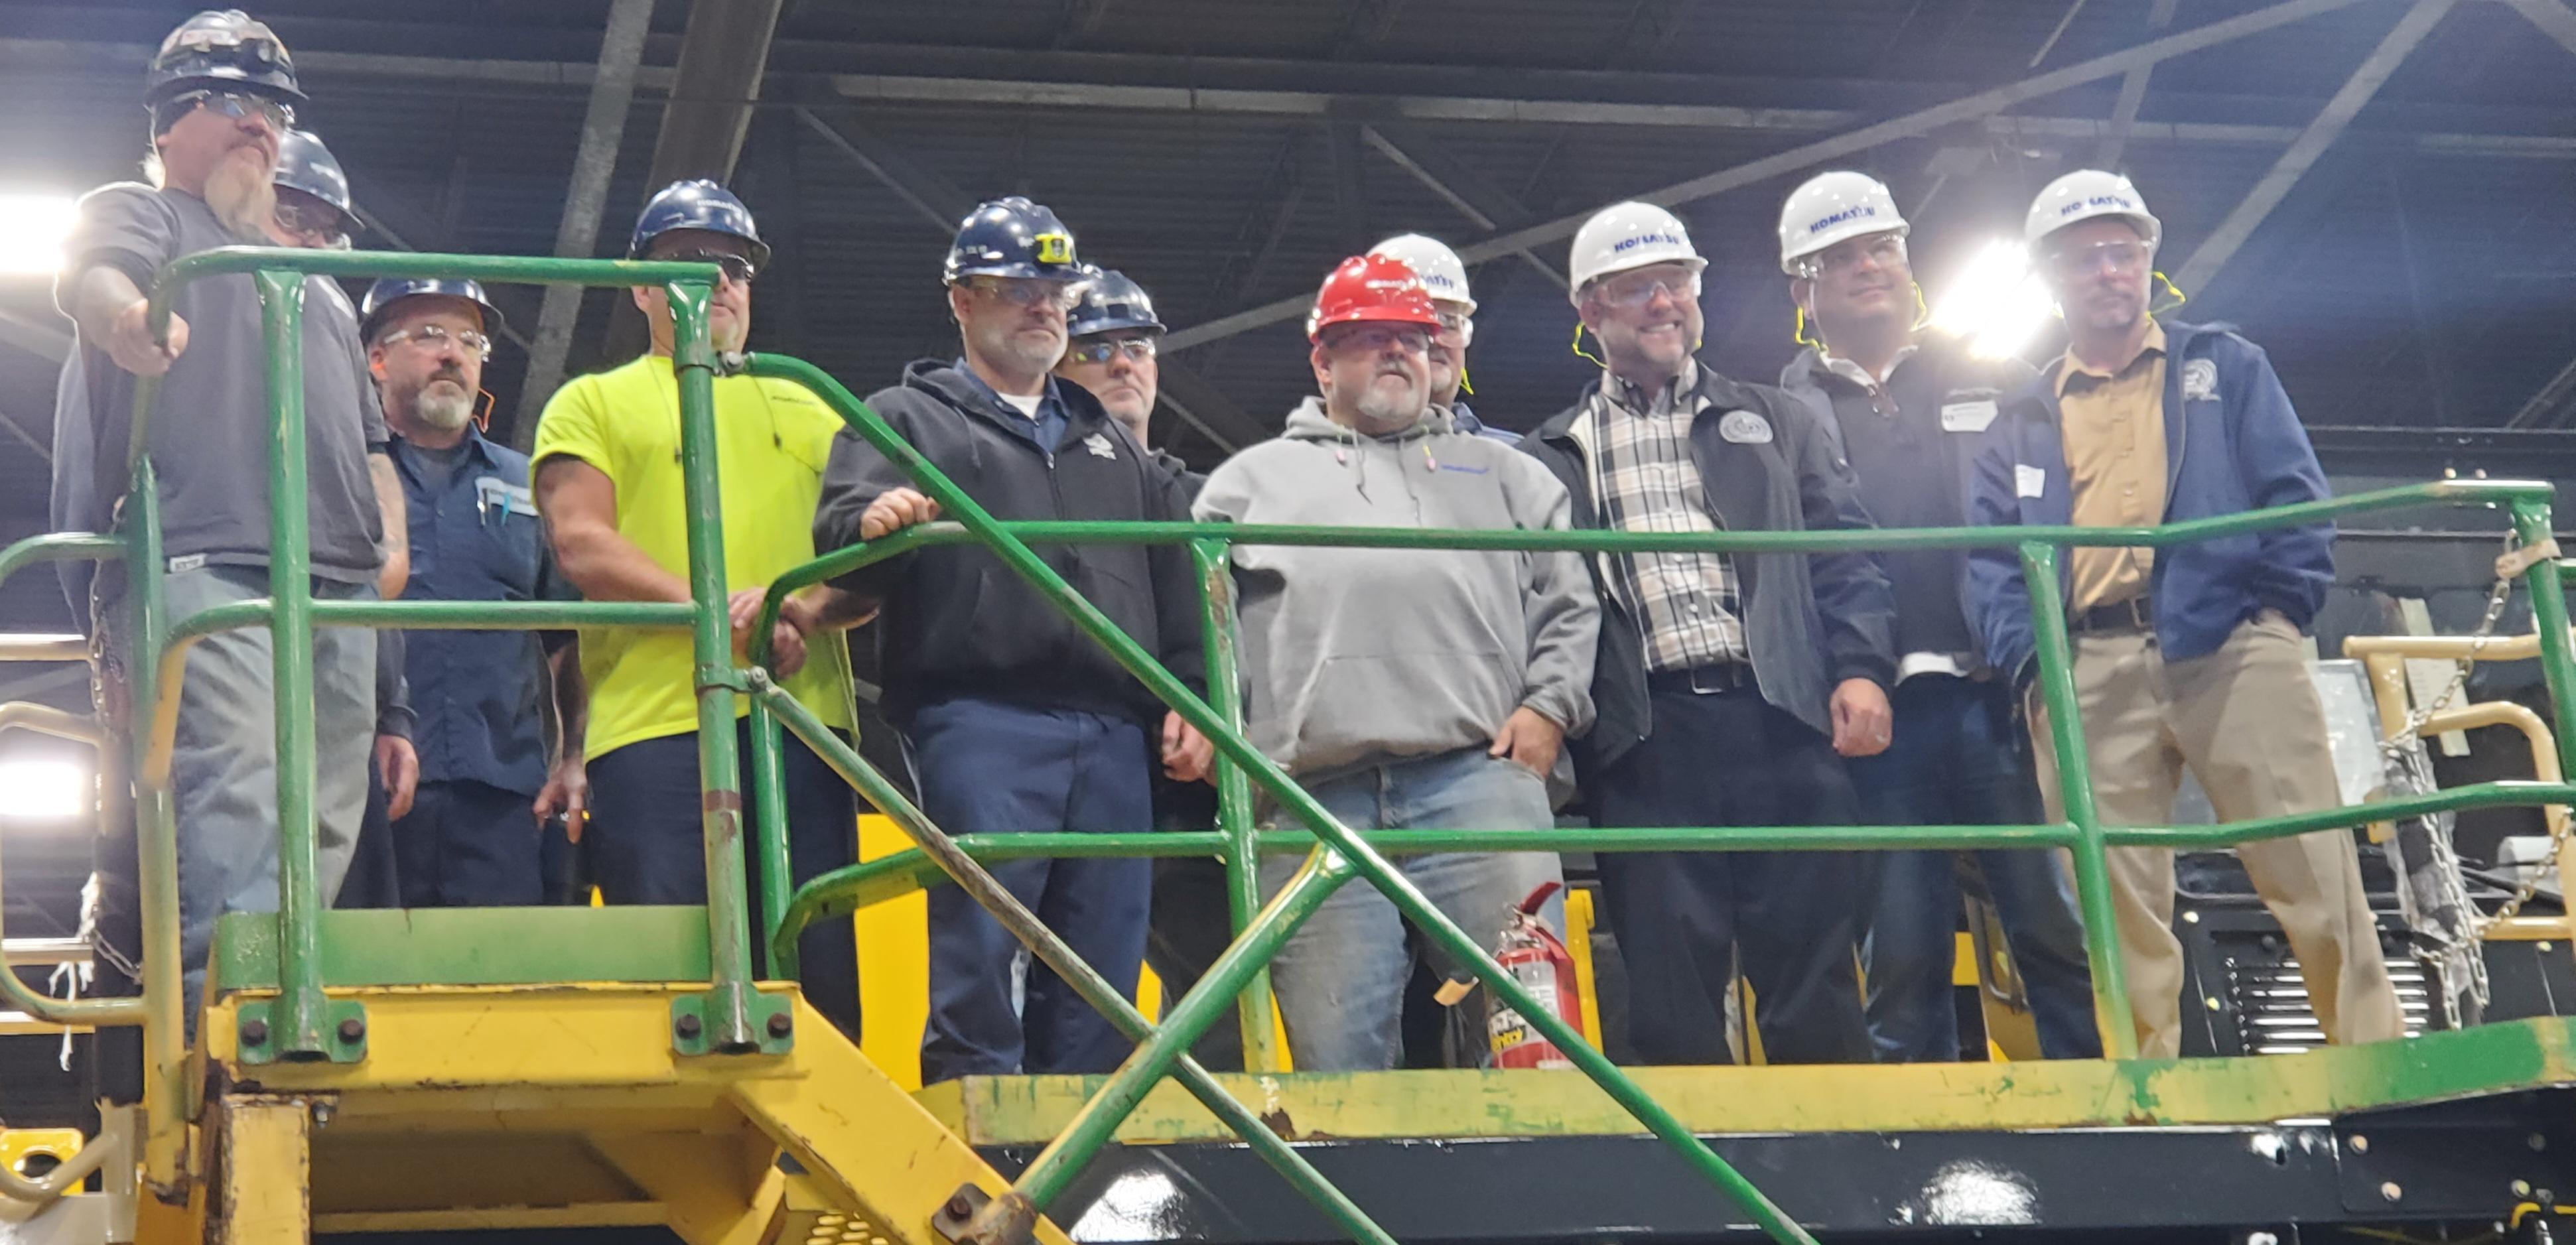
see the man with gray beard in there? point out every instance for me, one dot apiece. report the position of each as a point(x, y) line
point(487, 787)
point(221, 91)
point(1016, 720)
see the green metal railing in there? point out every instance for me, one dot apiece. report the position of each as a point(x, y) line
point(1336, 853)
point(301, 1022)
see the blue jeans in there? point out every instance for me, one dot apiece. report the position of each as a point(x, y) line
point(223, 771)
point(991, 768)
point(1953, 762)
point(1340, 981)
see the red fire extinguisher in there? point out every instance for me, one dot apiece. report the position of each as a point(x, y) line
point(1537, 959)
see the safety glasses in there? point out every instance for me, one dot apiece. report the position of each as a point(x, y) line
point(279, 114)
point(309, 218)
point(1885, 250)
point(2076, 261)
point(735, 268)
point(1138, 349)
point(434, 337)
point(1636, 289)
point(1028, 292)
point(1410, 338)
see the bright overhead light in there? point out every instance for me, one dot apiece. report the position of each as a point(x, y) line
point(33, 227)
point(1994, 302)
point(44, 790)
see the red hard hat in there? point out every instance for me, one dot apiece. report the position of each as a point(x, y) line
point(1372, 287)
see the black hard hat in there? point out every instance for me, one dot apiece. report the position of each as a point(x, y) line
point(390, 290)
point(696, 204)
point(1013, 238)
point(303, 163)
point(1109, 303)
point(221, 49)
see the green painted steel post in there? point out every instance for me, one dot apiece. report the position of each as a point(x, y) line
point(769, 822)
point(1051, 951)
point(2548, 589)
point(1234, 796)
point(168, 1090)
point(728, 1015)
point(298, 1028)
point(2075, 790)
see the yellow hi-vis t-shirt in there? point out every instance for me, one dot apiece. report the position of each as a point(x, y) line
point(772, 440)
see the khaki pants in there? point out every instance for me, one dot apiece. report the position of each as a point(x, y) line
point(2247, 722)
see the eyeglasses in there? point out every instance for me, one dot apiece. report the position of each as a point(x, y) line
point(729, 266)
point(1411, 338)
point(1638, 289)
point(279, 114)
point(2077, 261)
point(1887, 250)
point(434, 336)
point(1453, 321)
point(310, 218)
point(1138, 349)
point(1026, 292)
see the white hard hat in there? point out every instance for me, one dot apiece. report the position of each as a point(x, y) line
point(2083, 195)
point(1624, 236)
point(1830, 208)
point(1437, 265)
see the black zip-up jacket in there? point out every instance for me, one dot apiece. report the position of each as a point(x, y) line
point(1811, 620)
point(960, 623)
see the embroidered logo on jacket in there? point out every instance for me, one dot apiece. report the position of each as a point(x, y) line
point(1745, 428)
point(1098, 444)
point(2200, 380)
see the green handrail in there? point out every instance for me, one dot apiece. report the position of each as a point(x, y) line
point(1341, 853)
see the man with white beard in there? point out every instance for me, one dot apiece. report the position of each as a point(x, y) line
point(486, 787)
point(221, 91)
point(1017, 721)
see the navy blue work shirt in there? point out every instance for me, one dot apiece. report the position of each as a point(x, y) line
point(477, 537)
point(1046, 428)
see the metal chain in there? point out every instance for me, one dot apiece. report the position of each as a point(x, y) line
point(2416, 718)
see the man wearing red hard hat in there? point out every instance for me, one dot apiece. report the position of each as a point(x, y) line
point(1406, 689)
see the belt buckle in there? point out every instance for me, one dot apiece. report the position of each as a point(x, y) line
point(1723, 673)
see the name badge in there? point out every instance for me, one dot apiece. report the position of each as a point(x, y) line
point(1967, 416)
point(2029, 481)
point(1744, 428)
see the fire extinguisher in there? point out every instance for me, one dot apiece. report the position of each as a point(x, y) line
point(1537, 959)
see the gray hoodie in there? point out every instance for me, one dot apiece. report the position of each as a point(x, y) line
point(1360, 656)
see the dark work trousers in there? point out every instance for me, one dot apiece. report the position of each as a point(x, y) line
point(1683, 919)
point(1955, 760)
point(375, 878)
point(991, 768)
point(467, 844)
point(648, 846)
point(1190, 925)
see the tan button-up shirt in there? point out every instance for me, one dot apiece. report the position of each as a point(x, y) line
point(2113, 426)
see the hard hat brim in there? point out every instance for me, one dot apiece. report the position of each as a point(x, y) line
point(1372, 315)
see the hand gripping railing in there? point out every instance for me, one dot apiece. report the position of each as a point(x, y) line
point(1338, 853)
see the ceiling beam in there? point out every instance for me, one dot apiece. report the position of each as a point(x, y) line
point(1967, 108)
point(594, 161)
point(1486, 206)
point(2133, 95)
point(1367, 25)
point(2402, 39)
point(724, 56)
point(2548, 407)
point(1205, 407)
point(2553, 17)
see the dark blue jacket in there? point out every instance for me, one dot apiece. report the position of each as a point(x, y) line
point(1812, 620)
point(476, 694)
point(2232, 444)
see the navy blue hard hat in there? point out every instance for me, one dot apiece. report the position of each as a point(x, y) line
point(1013, 238)
point(1109, 303)
point(696, 204)
point(221, 49)
point(390, 290)
point(303, 163)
